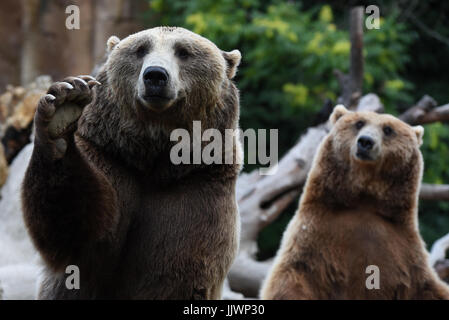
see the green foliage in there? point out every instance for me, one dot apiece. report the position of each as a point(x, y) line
point(289, 56)
point(436, 153)
point(386, 56)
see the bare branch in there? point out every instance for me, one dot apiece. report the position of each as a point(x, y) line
point(438, 114)
point(427, 30)
point(424, 105)
point(425, 111)
point(435, 192)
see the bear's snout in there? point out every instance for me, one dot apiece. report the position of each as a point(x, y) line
point(155, 78)
point(155, 91)
point(365, 143)
point(366, 148)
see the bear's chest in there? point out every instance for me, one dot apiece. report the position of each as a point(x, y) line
point(353, 246)
point(182, 231)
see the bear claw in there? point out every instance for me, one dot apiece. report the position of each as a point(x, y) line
point(59, 110)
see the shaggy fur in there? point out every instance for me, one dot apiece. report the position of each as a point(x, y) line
point(355, 213)
point(108, 199)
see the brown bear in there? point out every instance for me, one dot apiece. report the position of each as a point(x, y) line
point(358, 214)
point(102, 193)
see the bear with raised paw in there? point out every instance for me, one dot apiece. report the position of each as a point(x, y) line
point(357, 215)
point(101, 192)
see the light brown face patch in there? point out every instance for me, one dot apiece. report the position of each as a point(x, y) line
point(394, 141)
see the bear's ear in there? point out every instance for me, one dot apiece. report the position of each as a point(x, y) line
point(232, 60)
point(419, 131)
point(338, 112)
point(111, 43)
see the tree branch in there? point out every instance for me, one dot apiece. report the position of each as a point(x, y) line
point(424, 105)
point(438, 114)
point(425, 111)
point(435, 192)
point(430, 32)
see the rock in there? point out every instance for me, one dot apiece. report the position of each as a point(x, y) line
point(19, 281)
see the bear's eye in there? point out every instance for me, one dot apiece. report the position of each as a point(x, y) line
point(359, 124)
point(183, 53)
point(141, 51)
point(388, 131)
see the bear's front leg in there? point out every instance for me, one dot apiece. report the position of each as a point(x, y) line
point(69, 206)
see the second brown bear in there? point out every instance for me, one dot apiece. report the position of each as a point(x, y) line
point(358, 213)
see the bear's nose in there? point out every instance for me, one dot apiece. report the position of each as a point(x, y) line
point(155, 76)
point(365, 143)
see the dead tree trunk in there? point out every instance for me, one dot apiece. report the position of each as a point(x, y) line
point(352, 83)
point(357, 62)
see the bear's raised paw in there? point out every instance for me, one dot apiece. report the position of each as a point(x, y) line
point(59, 110)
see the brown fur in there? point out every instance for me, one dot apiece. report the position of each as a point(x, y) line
point(110, 201)
point(353, 214)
